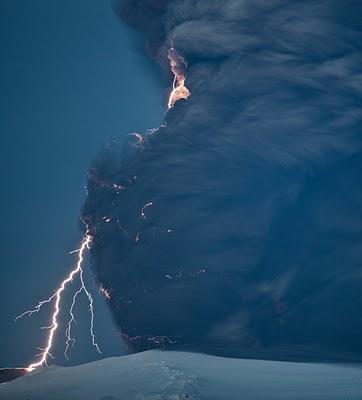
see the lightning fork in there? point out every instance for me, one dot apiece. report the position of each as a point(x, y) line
point(57, 298)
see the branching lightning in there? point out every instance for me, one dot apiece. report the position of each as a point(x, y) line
point(179, 91)
point(68, 332)
point(57, 298)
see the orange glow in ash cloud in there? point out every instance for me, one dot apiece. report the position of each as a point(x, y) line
point(178, 67)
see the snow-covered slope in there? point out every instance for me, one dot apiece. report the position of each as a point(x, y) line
point(158, 375)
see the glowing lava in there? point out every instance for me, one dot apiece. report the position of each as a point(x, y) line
point(57, 297)
point(178, 67)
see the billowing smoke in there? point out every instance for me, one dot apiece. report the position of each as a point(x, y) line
point(235, 227)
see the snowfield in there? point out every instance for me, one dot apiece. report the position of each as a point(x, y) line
point(165, 375)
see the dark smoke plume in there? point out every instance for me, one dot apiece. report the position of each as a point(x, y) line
point(235, 228)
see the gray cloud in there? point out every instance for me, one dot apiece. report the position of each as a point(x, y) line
point(251, 244)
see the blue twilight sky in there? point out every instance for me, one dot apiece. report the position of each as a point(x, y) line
point(70, 82)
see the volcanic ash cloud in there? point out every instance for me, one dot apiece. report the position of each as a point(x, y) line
point(251, 239)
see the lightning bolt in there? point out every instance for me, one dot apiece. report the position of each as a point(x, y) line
point(179, 91)
point(143, 215)
point(57, 299)
point(68, 332)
